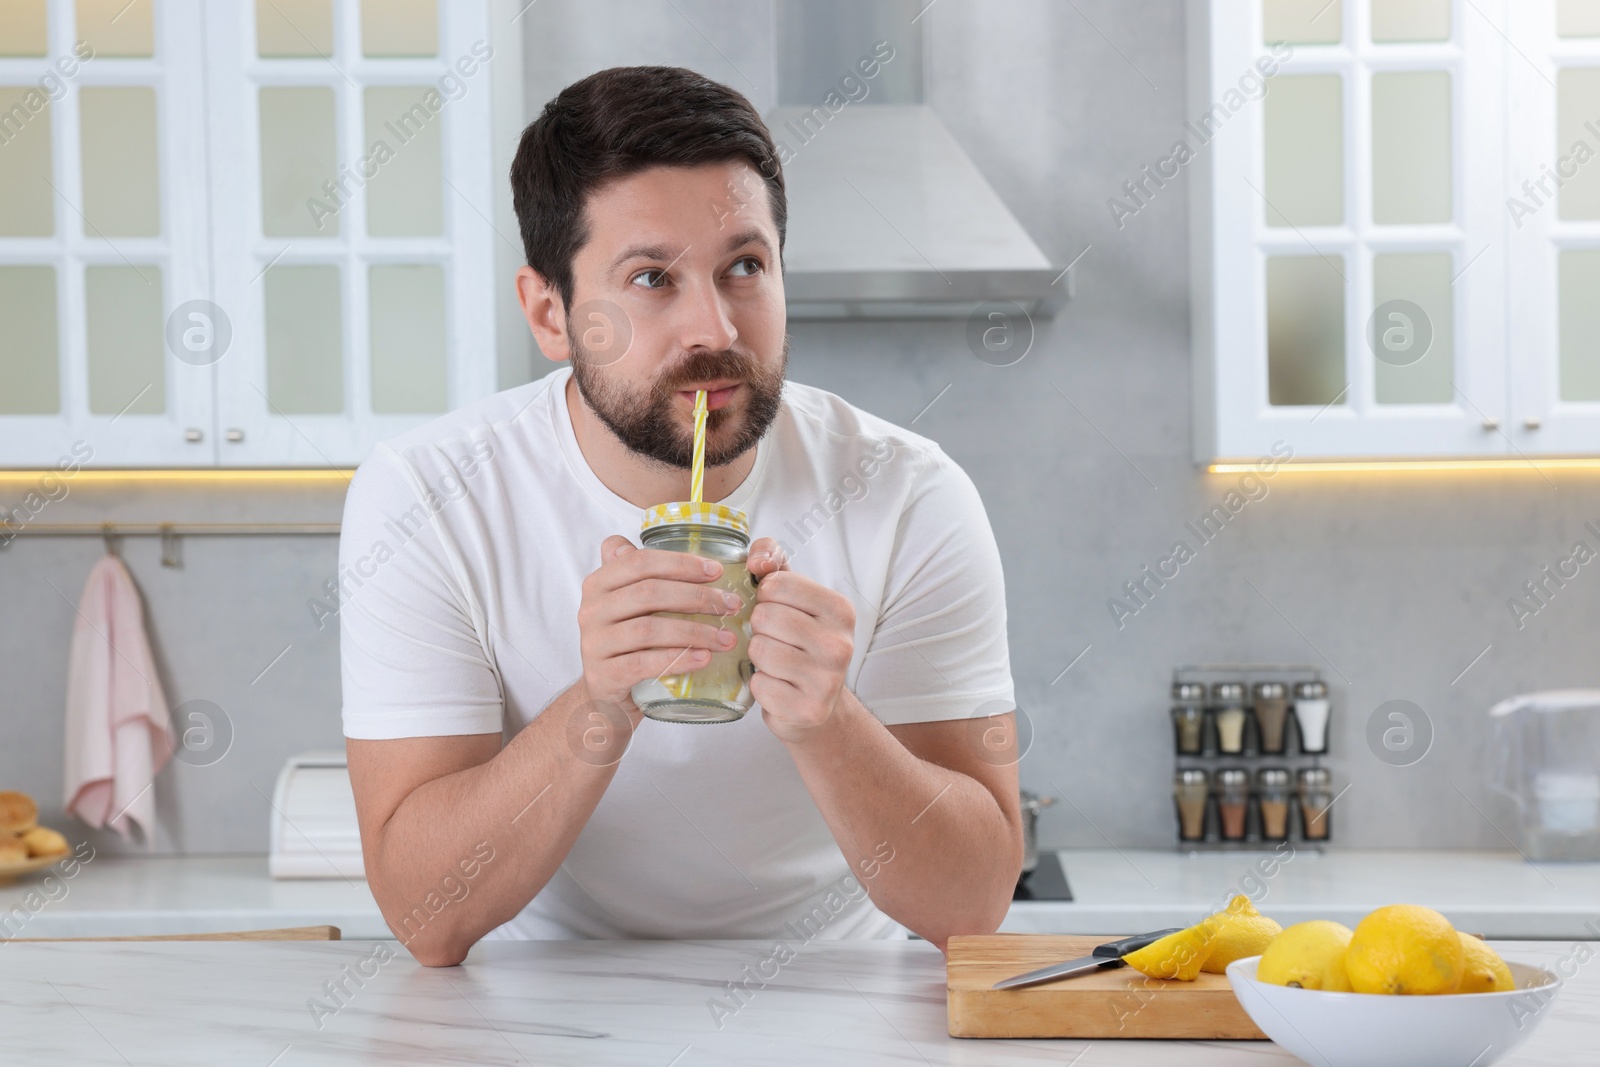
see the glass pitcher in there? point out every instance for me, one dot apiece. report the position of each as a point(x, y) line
point(1546, 758)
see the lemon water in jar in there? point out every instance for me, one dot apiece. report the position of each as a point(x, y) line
point(720, 690)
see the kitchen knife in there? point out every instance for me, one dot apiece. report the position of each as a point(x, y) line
point(1104, 957)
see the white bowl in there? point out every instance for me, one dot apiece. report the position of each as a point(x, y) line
point(1370, 1030)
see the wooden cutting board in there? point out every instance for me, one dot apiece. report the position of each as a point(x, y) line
point(1119, 1002)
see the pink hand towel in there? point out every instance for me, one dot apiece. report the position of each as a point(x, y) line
point(119, 733)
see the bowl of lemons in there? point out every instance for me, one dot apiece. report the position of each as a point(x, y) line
point(1404, 988)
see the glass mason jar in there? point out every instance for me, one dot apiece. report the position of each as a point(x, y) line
point(720, 690)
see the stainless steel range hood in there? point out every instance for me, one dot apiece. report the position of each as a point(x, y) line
point(888, 217)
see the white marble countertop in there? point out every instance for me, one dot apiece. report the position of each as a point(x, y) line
point(565, 1002)
point(1493, 893)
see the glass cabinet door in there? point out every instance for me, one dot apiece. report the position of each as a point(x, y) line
point(100, 158)
point(353, 243)
point(1553, 215)
point(1355, 264)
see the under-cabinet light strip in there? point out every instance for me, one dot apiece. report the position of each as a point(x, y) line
point(32, 478)
point(1531, 466)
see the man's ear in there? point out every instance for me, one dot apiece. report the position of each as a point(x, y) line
point(546, 314)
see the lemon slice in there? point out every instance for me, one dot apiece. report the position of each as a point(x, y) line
point(1179, 955)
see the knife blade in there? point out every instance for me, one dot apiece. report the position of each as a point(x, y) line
point(1104, 957)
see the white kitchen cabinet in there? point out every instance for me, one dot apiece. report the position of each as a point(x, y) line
point(1360, 289)
point(102, 161)
point(1554, 240)
point(323, 175)
point(362, 304)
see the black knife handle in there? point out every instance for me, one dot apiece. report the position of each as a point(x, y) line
point(1115, 950)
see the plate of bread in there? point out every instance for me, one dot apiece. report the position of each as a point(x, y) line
point(25, 845)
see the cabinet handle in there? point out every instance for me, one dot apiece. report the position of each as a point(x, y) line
point(1532, 422)
point(1491, 424)
point(193, 435)
point(235, 436)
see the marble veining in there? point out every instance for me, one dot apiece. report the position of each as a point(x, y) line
point(289, 1004)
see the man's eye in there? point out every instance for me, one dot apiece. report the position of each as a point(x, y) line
point(653, 278)
point(746, 266)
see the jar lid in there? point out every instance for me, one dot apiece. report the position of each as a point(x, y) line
point(1271, 690)
point(1188, 691)
point(702, 514)
point(1233, 776)
point(1315, 777)
point(1313, 689)
point(1192, 776)
point(1277, 776)
point(1228, 691)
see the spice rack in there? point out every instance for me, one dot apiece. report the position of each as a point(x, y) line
point(1232, 790)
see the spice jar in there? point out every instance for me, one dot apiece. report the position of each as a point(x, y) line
point(1311, 715)
point(1272, 797)
point(720, 690)
point(1316, 797)
point(1188, 717)
point(1233, 802)
point(1272, 715)
point(1227, 699)
point(1191, 790)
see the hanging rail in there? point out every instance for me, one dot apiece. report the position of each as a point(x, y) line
point(174, 529)
point(169, 532)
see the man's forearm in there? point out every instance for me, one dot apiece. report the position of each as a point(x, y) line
point(510, 821)
point(956, 855)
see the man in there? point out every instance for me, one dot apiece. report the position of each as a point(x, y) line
point(497, 610)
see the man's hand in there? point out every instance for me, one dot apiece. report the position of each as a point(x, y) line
point(802, 638)
point(621, 640)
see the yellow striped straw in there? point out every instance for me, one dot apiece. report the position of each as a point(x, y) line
point(697, 476)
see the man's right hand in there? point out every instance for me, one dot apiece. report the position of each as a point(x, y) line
point(623, 642)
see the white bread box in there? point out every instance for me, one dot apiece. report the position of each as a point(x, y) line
point(314, 829)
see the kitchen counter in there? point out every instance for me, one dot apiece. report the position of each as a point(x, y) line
point(1496, 894)
point(133, 896)
point(1493, 893)
point(570, 1002)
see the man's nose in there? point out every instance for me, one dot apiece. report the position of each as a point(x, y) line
point(703, 320)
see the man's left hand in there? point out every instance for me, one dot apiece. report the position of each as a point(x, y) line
point(802, 639)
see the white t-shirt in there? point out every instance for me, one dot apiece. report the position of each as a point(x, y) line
point(464, 546)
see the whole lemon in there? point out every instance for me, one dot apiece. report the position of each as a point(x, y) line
point(1405, 949)
point(1309, 955)
point(1483, 971)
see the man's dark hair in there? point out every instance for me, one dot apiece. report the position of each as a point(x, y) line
point(618, 122)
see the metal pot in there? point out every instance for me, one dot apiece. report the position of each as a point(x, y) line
point(1032, 803)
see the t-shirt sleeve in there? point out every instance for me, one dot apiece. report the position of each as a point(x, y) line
point(411, 659)
point(938, 650)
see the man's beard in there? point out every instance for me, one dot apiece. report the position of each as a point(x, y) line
point(648, 424)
